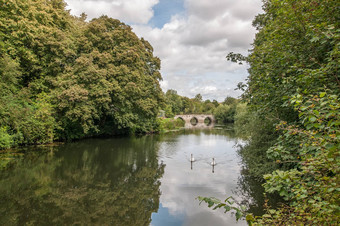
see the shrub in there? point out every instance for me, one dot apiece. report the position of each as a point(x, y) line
point(6, 140)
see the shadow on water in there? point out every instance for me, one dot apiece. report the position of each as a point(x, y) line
point(252, 191)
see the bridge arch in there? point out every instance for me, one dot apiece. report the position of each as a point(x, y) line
point(200, 118)
point(208, 121)
point(180, 118)
point(194, 121)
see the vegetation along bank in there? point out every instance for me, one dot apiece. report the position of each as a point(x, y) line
point(63, 78)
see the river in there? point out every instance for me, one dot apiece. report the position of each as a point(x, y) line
point(147, 180)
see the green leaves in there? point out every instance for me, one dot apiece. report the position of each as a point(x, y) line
point(98, 76)
point(228, 205)
point(225, 113)
point(294, 83)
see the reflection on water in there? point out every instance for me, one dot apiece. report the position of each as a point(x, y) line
point(184, 180)
point(101, 182)
point(124, 181)
point(199, 125)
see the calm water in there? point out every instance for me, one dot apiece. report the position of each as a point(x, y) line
point(145, 180)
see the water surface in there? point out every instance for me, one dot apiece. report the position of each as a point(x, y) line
point(145, 180)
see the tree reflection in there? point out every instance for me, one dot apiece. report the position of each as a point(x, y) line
point(113, 182)
point(251, 191)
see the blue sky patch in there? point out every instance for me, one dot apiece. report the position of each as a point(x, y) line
point(164, 218)
point(164, 10)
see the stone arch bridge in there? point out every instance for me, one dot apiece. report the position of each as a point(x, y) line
point(199, 118)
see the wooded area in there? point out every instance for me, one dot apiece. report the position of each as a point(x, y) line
point(293, 101)
point(64, 78)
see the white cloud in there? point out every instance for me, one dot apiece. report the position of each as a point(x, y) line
point(240, 9)
point(193, 48)
point(192, 45)
point(129, 11)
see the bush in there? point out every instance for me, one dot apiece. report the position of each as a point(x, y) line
point(6, 140)
point(170, 124)
point(225, 113)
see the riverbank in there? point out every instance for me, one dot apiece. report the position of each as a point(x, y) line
point(169, 124)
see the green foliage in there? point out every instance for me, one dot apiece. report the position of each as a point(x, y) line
point(243, 118)
point(236, 58)
point(64, 78)
point(10, 73)
point(230, 101)
point(176, 104)
point(225, 113)
point(229, 205)
point(259, 137)
point(293, 102)
point(311, 186)
point(6, 140)
point(28, 122)
point(40, 124)
point(116, 87)
point(166, 124)
point(198, 98)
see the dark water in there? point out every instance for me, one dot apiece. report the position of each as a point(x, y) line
point(145, 180)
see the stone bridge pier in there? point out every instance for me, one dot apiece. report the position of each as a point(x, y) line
point(199, 118)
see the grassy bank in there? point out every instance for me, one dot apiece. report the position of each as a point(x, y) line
point(169, 124)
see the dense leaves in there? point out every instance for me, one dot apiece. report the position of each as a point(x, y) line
point(294, 86)
point(64, 78)
point(225, 113)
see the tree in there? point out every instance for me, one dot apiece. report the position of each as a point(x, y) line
point(198, 98)
point(225, 113)
point(208, 107)
point(174, 102)
point(230, 100)
point(293, 83)
point(114, 80)
point(215, 103)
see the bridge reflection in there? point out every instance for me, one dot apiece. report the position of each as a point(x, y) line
point(199, 126)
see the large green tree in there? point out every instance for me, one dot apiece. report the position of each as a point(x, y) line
point(114, 81)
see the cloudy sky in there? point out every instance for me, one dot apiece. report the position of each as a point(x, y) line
point(191, 37)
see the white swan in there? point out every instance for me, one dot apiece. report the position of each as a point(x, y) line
point(192, 159)
point(213, 163)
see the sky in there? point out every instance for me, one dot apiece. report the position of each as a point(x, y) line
point(191, 37)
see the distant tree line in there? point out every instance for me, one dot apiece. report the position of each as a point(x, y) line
point(176, 104)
